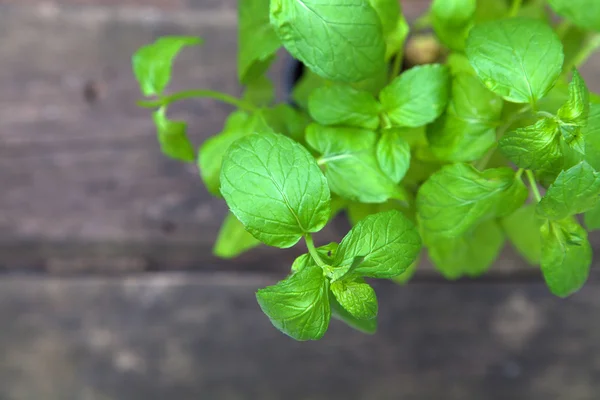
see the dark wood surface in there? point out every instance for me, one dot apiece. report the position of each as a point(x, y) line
point(92, 216)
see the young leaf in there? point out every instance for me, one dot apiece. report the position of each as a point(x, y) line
point(344, 105)
point(152, 62)
point(210, 155)
point(172, 137)
point(393, 154)
point(233, 239)
point(577, 109)
point(535, 147)
point(418, 96)
point(256, 38)
point(467, 130)
point(326, 253)
point(275, 188)
point(387, 241)
point(368, 326)
point(452, 20)
point(395, 27)
point(583, 13)
point(458, 197)
point(299, 305)
point(356, 297)
point(471, 254)
point(340, 40)
point(575, 190)
point(523, 230)
point(351, 167)
point(566, 256)
point(519, 59)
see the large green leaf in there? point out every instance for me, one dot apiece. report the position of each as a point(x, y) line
point(341, 40)
point(344, 105)
point(519, 59)
point(275, 188)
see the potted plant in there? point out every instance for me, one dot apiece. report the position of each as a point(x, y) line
point(498, 140)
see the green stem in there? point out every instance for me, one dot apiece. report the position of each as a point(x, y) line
point(397, 65)
point(189, 94)
point(591, 45)
point(562, 28)
point(533, 185)
point(310, 245)
point(514, 9)
point(545, 114)
point(483, 162)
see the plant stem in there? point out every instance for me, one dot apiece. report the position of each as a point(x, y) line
point(514, 9)
point(591, 45)
point(189, 94)
point(310, 245)
point(545, 114)
point(533, 185)
point(397, 65)
point(519, 173)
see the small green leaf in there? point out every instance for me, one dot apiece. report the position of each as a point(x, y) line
point(575, 190)
point(591, 135)
point(172, 137)
point(395, 27)
point(452, 20)
point(519, 59)
point(535, 147)
point(210, 155)
point(260, 91)
point(299, 305)
point(257, 39)
point(344, 105)
point(577, 109)
point(393, 154)
point(458, 197)
point(326, 253)
point(351, 167)
point(233, 239)
point(523, 230)
point(566, 256)
point(471, 254)
point(583, 13)
point(152, 63)
point(358, 298)
point(467, 130)
point(275, 188)
point(341, 40)
point(368, 326)
point(388, 241)
point(418, 96)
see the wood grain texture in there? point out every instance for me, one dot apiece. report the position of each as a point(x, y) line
point(172, 336)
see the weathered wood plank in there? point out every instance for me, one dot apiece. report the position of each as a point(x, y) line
point(171, 336)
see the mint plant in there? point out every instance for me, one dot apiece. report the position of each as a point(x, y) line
point(498, 141)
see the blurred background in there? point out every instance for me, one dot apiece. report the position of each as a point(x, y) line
point(108, 289)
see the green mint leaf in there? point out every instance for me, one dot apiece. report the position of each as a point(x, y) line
point(523, 230)
point(583, 13)
point(566, 256)
point(452, 20)
point(574, 191)
point(172, 137)
point(418, 96)
point(341, 40)
point(395, 27)
point(393, 154)
point(467, 130)
point(592, 218)
point(299, 305)
point(326, 253)
point(210, 155)
point(536, 147)
point(357, 297)
point(260, 91)
point(287, 120)
point(275, 188)
point(387, 241)
point(519, 59)
point(471, 254)
point(591, 135)
point(458, 197)
point(368, 326)
point(233, 239)
point(152, 62)
point(577, 109)
point(256, 39)
point(350, 163)
point(344, 105)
